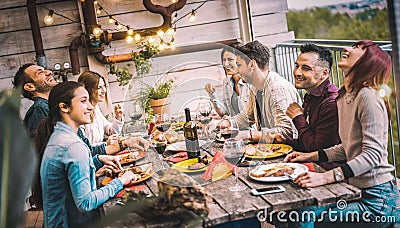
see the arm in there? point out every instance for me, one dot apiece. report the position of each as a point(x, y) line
point(218, 105)
point(80, 170)
point(99, 149)
point(34, 117)
point(246, 117)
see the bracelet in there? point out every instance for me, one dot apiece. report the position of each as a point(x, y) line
point(251, 135)
point(121, 147)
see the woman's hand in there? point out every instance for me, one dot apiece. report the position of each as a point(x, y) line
point(301, 157)
point(118, 112)
point(127, 177)
point(313, 179)
point(209, 88)
point(111, 161)
point(137, 142)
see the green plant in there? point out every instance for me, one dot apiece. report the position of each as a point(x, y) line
point(142, 58)
point(123, 75)
point(159, 91)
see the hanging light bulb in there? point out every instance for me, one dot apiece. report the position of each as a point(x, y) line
point(192, 17)
point(175, 17)
point(98, 11)
point(170, 31)
point(48, 19)
point(119, 26)
point(129, 31)
point(160, 33)
point(111, 20)
point(161, 46)
point(95, 2)
point(97, 31)
point(82, 0)
point(137, 37)
point(174, 1)
point(151, 40)
point(129, 39)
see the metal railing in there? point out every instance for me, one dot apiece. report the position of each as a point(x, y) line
point(286, 54)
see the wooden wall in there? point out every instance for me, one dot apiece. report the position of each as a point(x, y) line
point(217, 20)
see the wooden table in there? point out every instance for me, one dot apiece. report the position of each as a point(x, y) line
point(230, 206)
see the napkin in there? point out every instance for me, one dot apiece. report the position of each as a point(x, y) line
point(178, 157)
point(218, 158)
point(133, 187)
point(310, 166)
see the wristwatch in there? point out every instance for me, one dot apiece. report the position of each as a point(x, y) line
point(338, 175)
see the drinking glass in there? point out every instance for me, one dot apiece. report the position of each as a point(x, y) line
point(136, 113)
point(203, 111)
point(229, 128)
point(234, 152)
point(162, 123)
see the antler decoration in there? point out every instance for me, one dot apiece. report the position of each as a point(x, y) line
point(166, 12)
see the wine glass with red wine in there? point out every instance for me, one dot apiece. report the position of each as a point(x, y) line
point(233, 152)
point(229, 128)
point(203, 111)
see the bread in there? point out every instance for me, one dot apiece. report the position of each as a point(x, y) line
point(220, 171)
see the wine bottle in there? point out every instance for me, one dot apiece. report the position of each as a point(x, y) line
point(191, 139)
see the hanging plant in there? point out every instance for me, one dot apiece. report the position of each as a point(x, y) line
point(142, 58)
point(123, 75)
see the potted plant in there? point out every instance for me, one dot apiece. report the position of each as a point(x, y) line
point(154, 97)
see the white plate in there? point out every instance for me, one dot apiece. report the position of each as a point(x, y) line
point(181, 145)
point(299, 168)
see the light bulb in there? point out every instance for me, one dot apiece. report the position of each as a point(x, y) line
point(98, 11)
point(129, 31)
point(160, 33)
point(161, 46)
point(151, 40)
point(384, 91)
point(170, 31)
point(137, 37)
point(48, 19)
point(192, 17)
point(97, 31)
point(95, 2)
point(129, 39)
point(174, 1)
point(111, 20)
point(120, 27)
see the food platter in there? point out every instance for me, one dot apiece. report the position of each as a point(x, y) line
point(183, 166)
point(278, 169)
point(129, 157)
point(146, 173)
point(263, 151)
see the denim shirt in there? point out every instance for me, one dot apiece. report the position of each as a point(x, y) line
point(70, 196)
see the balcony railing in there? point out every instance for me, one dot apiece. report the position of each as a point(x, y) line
point(286, 54)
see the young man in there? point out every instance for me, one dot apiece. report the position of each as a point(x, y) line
point(317, 120)
point(271, 94)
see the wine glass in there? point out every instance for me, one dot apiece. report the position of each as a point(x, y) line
point(162, 123)
point(229, 128)
point(203, 111)
point(233, 152)
point(136, 113)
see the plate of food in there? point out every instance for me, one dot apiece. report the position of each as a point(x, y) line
point(276, 171)
point(262, 151)
point(129, 157)
point(141, 172)
point(191, 165)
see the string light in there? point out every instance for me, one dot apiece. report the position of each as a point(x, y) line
point(98, 11)
point(137, 37)
point(170, 31)
point(174, 1)
point(175, 17)
point(48, 19)
point(192, 16)
point(151, 40)
point(129, 39)
point(95, 2)
point(129, 31)
point(111, 20)
point(97, 31)
point(160, 33)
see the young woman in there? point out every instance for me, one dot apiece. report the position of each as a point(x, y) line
point(95, 84)
point(70, 197)
point(235, 91)
point(363, 128)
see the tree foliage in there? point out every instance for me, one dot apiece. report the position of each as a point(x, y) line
point(320, 23)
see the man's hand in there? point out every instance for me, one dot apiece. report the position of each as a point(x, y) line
point(111, 161)
point(137, 142)
point(294, 110)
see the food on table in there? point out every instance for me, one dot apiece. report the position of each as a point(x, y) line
point(127, 158)
point(171, 136)
point(275, 171)
point(261, 150)
point(206, 159)
point(220, 171)
point(196, 166)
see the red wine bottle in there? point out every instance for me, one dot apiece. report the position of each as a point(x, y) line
point(191, 138)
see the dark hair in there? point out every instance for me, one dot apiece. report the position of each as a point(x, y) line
point(257, 51)
point(21, 78)
point(91, 81)
point(325, 56)
point(232, 48)
point(373, 68)
point(61, 93)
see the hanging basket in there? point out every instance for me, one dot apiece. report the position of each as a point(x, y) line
point(159, 105)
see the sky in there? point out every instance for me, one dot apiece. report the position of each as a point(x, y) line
point(302, 4)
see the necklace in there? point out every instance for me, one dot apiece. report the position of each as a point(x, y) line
point(349, 97)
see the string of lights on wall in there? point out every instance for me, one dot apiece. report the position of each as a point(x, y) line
point(164, 39)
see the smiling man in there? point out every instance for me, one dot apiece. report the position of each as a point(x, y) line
point(317, 120)
point(36, 83)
